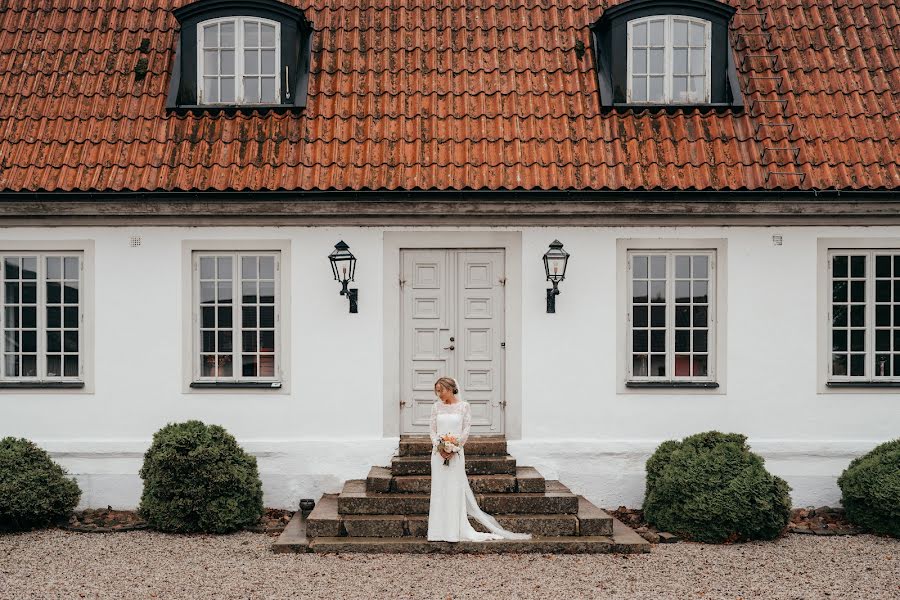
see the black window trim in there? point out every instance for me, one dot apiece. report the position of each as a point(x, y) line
point(192, 14)
point(711, 10)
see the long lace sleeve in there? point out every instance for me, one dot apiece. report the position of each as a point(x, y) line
point(467, 422)
point(432, 425)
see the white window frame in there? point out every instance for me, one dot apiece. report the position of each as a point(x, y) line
point(668, 60)
point(670, 305)
point(239, 73)
point(41, 317)
point(237, 319)
point(869, 377)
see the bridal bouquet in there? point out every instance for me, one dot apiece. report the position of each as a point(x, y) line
point(448, 443)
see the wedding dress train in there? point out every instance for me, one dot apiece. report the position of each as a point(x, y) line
point(452, 500)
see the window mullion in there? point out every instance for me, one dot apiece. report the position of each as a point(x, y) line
point(670, 316)
point(40, 318)
point(668, 64)
point(870, 316)
point(239, 60)
point(238, 315)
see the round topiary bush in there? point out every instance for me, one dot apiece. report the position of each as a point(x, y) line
point(870, 489)
point(709, 487)
point(198, 479)
point(34, 490)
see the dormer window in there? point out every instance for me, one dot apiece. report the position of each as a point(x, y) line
point(668, 60)
point(662, 54)
point(241, 55)
point(238, 61)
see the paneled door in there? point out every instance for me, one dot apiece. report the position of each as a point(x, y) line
point(452, 324)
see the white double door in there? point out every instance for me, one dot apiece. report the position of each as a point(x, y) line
point(452, 325)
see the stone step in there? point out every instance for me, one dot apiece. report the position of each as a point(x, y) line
point(356, 500)
point(294, 539)
point(420, 445)
point(325, 521)
point(622, 541)
point(526, 479)
point(481, 484)
point(593, 521)
point(475, 465)
point(417, 525)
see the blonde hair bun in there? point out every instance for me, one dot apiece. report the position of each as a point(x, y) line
point(448, 383)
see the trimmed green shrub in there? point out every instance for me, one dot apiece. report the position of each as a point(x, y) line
point(870, 489)
point(198, 479)
point(710, 487)
point(34, 490)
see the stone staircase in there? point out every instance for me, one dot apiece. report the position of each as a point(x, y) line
point(388, 511)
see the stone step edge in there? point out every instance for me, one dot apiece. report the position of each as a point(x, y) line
point(477, 446)
point(293, 539)
point(354, 499)
point(357, 487)
point(401, 526)
point(426, 458)
point(325, 521)
point(380, 480)
point(475, 465)
point(623, 541)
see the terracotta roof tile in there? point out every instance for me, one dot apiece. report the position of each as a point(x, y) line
point(463, 94)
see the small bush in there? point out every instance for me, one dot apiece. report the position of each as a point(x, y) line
point(870, 489)
point(709, 487)
point(34, 490)
point(197, 479)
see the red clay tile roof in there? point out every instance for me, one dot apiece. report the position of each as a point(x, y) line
point(444, 94)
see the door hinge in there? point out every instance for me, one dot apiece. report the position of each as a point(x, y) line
point(503, 281)
point(402, 403)
point(402, 282)
point(503, 344)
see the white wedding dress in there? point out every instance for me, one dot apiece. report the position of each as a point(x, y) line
point(452, 500)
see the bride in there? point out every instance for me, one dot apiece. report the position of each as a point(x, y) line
point(452, 500)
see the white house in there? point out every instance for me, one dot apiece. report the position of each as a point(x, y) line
point(174, 176)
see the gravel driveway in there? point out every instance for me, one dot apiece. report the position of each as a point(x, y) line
point(124, 566)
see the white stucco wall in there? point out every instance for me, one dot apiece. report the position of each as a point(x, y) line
point(576, 426)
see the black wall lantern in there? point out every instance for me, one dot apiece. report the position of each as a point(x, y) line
point(555, 261)
point(343, 264)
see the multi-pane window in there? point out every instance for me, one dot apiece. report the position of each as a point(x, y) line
point(671, 315)
point(42, 317)
point(668, 60)
point(865, 315)
point(238, 61)
point(237, 304)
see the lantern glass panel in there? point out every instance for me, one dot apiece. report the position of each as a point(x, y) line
point(556, 267)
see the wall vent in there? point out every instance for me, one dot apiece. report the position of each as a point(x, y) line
point(776, 240)
point(134, 241)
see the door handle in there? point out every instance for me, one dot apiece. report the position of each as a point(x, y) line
point(450, 347)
